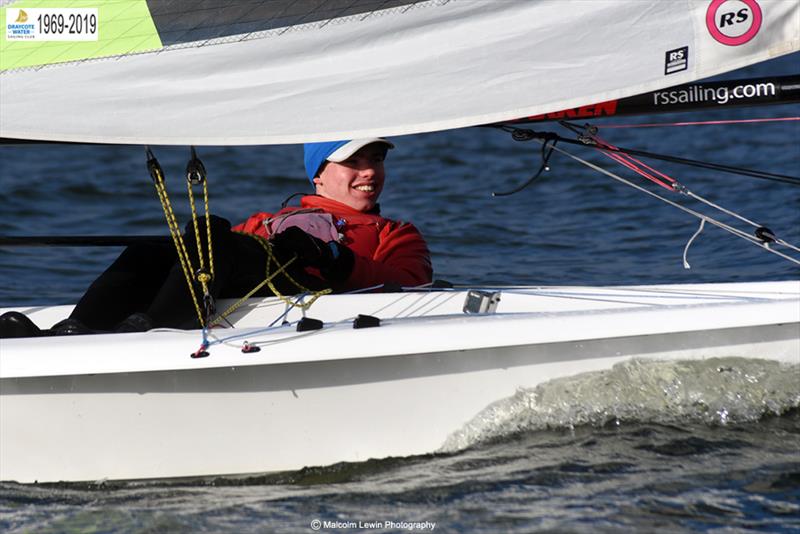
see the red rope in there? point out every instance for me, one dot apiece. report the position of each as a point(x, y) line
point(637, 166)
point(701, 123)
point(649, 172)
point(624, 160)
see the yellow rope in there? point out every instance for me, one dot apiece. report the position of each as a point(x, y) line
point(196, 227)
point(208, 229)
point(203, 276)
point(268, 281)
point(177, 238)
point(271, 257)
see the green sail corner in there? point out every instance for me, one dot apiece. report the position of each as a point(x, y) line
point(124, 27)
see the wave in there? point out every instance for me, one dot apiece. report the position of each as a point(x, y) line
point(714, 391)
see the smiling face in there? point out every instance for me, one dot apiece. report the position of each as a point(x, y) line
point(356, 181)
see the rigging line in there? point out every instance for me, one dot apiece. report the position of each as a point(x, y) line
point(585, 140)
point(729, 228)
point(736, 215)
point(263, 330)
point(633, 164)
point(636, 165)
point(697, 214)
point(700, 123)
point(543, 167)
point(676, 186)
point(759, 227)
point(689, 244)
point(702, 164)
point(720, 208)
point(763, 235)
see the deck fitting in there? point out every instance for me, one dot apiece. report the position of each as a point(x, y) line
point(307, 323)
point(366, 321)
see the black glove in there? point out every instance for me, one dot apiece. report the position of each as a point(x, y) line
point(334, 261)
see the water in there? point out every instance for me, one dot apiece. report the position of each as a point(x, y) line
point(715, 448)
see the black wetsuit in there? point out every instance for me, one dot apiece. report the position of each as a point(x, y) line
point(148, 278)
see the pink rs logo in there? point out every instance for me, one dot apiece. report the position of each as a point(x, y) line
point(733, 22)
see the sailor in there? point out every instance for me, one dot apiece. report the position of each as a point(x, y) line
point(363, 249)
point(336, 238)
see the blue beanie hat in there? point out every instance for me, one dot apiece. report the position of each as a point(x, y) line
point(315, 154)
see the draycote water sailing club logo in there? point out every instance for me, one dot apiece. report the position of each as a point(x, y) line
point(52, 24)
point(20, 28)
point(733, 22)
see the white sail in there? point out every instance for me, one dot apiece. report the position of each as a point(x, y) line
point(371, 67)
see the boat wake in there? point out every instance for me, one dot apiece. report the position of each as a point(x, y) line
point(715, 391)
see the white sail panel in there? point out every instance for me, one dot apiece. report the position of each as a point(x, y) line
point(411, 68)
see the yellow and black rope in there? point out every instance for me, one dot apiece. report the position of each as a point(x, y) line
point(269, 276)
point(196, 175)
point(157, 174)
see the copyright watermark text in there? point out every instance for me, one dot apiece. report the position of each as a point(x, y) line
point(411, 526)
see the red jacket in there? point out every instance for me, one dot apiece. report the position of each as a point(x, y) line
point(385, 251)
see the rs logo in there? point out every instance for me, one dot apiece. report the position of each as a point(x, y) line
point(676, 55)
point(733, 22)
point(727, 19)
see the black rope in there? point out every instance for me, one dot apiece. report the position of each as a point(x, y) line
point(752, 173)
point(549, 144)
point(289, 199)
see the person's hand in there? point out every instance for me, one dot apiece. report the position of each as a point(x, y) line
point(334, 261)
point(310, 251)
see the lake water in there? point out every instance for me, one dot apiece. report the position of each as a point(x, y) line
point(730, 463)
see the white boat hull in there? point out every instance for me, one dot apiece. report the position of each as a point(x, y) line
point(136, 406)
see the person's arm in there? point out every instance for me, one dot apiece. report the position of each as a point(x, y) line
point(402, 258)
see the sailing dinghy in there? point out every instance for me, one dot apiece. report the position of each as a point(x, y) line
point(381, 374)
